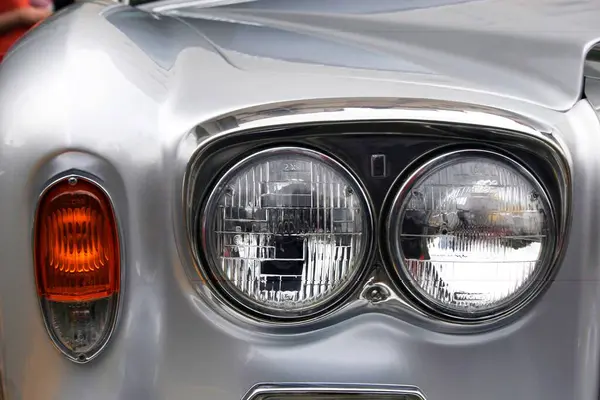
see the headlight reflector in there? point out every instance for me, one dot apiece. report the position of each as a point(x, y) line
point(471, 233)
point(285, 231)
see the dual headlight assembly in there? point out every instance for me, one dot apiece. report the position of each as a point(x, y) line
point(466, 235)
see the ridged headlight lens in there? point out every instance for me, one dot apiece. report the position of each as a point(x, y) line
point(285, 231)
point(471, 234)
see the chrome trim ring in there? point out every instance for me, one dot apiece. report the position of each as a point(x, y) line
point(518, 300)
point(333, 391)
point(246, 303)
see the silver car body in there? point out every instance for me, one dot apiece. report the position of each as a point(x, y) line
point(117, 91)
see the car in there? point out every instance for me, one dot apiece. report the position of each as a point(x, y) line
point(309, 199)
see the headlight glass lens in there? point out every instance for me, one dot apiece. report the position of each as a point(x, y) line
point(472, 234)
point(286, 230)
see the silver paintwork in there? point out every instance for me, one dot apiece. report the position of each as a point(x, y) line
point(86, 93)
point(475, 45)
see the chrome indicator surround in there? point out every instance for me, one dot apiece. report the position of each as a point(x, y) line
point(87, 167)
point(333, 391)
point(483, 123)
point(537, 283)
point(114, 300)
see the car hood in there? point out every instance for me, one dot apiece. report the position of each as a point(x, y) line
point(532, 50)
point(267, 51)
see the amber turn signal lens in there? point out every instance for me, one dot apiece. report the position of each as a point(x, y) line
point(76, 243)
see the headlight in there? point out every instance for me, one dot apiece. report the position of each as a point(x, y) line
point(285, 231)
point(471, 234)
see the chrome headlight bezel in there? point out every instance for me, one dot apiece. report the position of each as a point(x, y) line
point(211, 147)
point(244, 303)
point(391, 239)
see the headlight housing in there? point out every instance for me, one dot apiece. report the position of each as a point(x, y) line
point(471, 235)
point(285, 231)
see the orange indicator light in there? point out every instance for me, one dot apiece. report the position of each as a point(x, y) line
point(76, 243)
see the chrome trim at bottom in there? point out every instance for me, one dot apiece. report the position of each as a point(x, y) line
point(335, 391)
